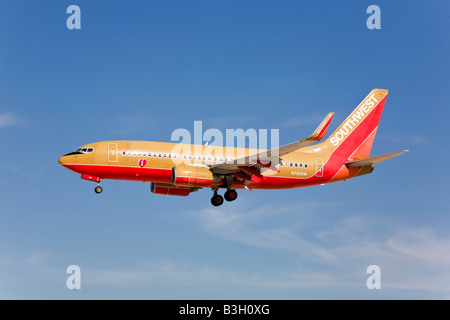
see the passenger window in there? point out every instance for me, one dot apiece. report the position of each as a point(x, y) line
point(174, 156)
point(306, 165)
point(300, 165)
point(170, 155)
point(281, 164)
point(295, 164)
point(124, 152)
point(190, 157)
point(159, 155)
point(165, 155)
point(290, 164)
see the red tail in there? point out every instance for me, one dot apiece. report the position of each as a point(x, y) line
point(354, 137)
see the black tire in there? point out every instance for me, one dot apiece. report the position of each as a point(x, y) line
point(98, 189)
point(231, 195)
point(217, 200)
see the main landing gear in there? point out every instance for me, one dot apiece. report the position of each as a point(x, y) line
point(230, 195)
point(217, 199)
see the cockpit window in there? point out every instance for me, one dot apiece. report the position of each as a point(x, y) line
point(80, 151)
point(84, 150)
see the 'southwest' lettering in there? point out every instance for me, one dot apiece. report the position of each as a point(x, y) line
point(354, 119)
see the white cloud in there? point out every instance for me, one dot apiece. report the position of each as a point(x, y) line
point(302, 121)
point(238, 225)
point(35, 174)
point(168, 274)
point(414, 259)
point(332, 259)
point(10, 120)
point(413, 139)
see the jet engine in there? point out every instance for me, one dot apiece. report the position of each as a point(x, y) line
point(193, 176)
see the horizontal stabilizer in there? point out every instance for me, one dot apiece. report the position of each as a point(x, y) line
point(373, 160)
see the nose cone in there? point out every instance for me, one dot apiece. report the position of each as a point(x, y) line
point(64, 160)
point(61, 160)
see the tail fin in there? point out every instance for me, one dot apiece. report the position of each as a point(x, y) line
point(353, 139)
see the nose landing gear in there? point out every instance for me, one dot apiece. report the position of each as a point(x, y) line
point(98, 189)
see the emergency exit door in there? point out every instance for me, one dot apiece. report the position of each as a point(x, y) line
point(319, 168)
point(112, 152)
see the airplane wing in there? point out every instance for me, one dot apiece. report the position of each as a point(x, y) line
point(258, 162)
point(373, 160)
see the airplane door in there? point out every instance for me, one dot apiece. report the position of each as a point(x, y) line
point(112, 152)
point(319, 168)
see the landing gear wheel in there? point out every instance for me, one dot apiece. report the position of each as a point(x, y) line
point(231, 195)
point(216, 200)
point(98, 189)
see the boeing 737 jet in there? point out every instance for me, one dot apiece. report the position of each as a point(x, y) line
point(177, 169)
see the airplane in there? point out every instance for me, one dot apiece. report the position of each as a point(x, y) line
point(176, 171)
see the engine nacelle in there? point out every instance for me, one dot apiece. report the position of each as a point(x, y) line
point(192, 176)
point(170, 190)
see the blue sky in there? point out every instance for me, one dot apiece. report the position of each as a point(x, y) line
point(137, 70)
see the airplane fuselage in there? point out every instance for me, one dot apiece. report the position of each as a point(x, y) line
point(149, 161)
point(179, 169)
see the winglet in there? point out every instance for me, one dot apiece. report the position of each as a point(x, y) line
point(322, 128)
